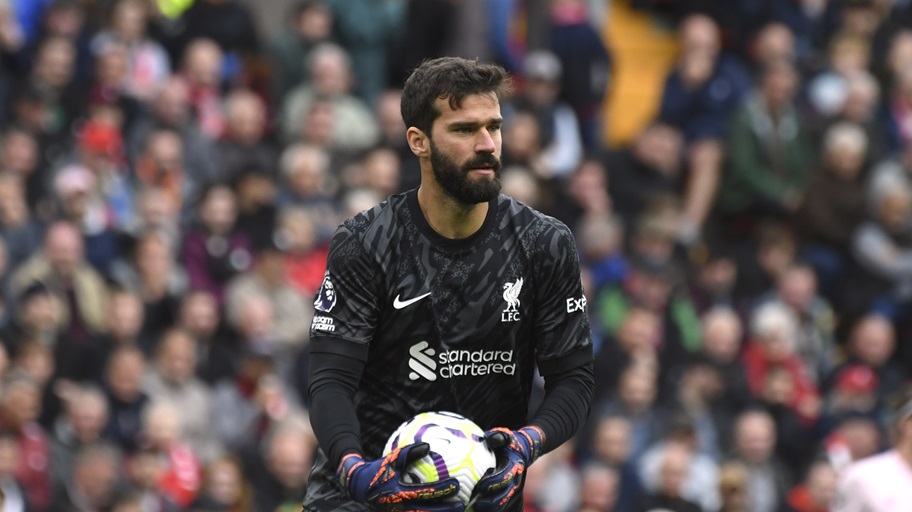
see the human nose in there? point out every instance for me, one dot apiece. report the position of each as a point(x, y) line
point(484, 143)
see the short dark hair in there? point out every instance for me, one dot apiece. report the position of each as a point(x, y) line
point(451, 78)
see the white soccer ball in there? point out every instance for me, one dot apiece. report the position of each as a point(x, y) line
point(457, 450)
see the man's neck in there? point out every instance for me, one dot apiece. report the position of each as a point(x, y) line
point(448, 217)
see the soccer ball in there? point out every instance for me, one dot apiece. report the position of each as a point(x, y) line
point(457, 450)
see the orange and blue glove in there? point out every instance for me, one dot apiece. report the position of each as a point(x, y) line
point(515, 451)
point(378, 484)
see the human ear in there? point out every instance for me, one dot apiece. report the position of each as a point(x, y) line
point(418, 142)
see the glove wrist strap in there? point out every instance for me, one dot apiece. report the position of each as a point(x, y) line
point(535, 440)
point(350, 463)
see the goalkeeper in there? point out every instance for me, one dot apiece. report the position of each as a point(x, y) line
point(446, 298)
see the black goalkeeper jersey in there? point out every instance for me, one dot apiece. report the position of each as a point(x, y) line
point(454, 325)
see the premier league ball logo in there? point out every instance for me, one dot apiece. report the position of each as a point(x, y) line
point(326, 295)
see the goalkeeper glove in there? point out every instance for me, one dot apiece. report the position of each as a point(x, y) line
point(378, 483)
point(515, 450)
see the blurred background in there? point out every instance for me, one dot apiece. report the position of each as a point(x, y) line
point(738, 176)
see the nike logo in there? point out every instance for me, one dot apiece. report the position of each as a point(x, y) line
point(399, 304)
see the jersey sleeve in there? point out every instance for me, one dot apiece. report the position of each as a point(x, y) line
point(562, 336)
point(850, 493)
point(345, 305)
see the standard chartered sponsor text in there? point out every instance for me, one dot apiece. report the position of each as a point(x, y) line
point(471, 363)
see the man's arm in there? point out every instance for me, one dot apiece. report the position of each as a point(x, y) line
point(335, 371)
point(568, 395)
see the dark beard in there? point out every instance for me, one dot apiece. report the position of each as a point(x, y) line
point(455, 178)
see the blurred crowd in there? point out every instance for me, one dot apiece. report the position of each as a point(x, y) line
point(170, 175)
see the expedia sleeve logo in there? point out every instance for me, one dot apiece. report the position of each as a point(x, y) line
point(457, 363)
point(326, 295)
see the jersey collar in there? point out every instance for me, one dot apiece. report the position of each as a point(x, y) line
point(449, 244)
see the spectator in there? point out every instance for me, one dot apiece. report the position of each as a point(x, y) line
point(199, 316)
point(20, 406)
point(281, 474)
point(611, 446)
point(108, 94)
point(305, 256)
point(773, 346)
point(636, 400)
point(154, 278)
point(172, 381)
point(559, 128)
point(36, 317)
point(872, 344)
point(668, 484)
point(770, 154)
point(879, 278)
point(796, 289)
point(586, 64)
point(635, 341)
point(228, 24)
point(161, 429)
point(160, 165)
point(269, 277)
point(243, 143)
point(557, 484)
point(699, 96)
point(171, 109)
point(20, 156)
point(145, 470)
point(599, 488)
point(14, 498)
point(773, 41)
point(82, 203)
point(310, 184)
point(714, 279)
point(225, 487)
point(124, 323)
point(722, 332)
point(148, 65)
point(36, 362)
point(202, 70)
point(62, 268)
point(653, 286)
point(733, 479)
point(93, 482)
point(153, 213)
point(353, 126)
point(215, 251)
point(126, 399)
point(82, 424)
point(256, 194)
point(853, 394)
point(20, 231)
point(368, 31)
point(49, 82)
point(830, 215)
point(601, 241)
point(673, 473)
point(847, 55)
point(651, 167)
point(249, 405)
point(818, 491)
point(309, 23)
point(754, 447)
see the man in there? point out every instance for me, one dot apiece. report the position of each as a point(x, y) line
point(430, 280)
point(883, 482)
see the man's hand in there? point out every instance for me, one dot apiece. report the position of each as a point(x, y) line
point(378, 484)
point(515, 450)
